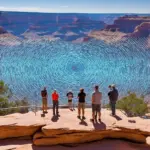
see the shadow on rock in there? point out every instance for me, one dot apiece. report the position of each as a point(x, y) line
point(83, 123)
point(99, 126)
point(117, 117)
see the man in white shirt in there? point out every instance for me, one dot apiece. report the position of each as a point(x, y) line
point(96, 104)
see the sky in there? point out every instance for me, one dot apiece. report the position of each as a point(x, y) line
point(79, 6)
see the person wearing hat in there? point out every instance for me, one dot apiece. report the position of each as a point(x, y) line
point(44, 100)
point(81, 103)
point(113, 97)
point(70, 97)
point(55, 99)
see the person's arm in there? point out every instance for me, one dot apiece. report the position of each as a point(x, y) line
point(58, 96)
point(52, 97)
point(78, 96)
point(46, 95)
point(92, 98)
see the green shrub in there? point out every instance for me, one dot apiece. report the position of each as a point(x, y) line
point(5, 94)
point(132, 105)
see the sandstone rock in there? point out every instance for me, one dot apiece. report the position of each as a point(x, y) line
point(11, 131)
point(141, 126)
point(19, 125)
point(2, 30)
point(127, 24)
point(9, 39)
point(148, 140)
point(81, 40)
point(77, 138)
point(107, 36)
point(142, 30)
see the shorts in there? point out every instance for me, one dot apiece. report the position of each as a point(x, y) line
point(70, 101)
point(44, 100)
point(96, 107)
point(81, 106)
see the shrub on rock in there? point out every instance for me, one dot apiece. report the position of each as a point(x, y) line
point(5, 102)
point(132, 105)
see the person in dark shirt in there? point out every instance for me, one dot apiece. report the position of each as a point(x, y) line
point(81, 103)
point(113, 97)
point(44, 100)
point(70, 97)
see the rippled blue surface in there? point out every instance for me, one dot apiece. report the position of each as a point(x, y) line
point(63, 66)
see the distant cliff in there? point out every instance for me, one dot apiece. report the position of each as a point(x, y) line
point(2, 30)
point(123, 28)
point(142, 30)
point(127, 24)
point(48, 23)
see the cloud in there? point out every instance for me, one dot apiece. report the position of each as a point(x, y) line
point(26, 9)
point(64, 6)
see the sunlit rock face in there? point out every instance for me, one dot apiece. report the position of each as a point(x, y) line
point(142, 30)
point(127, 23)
point(2, 30)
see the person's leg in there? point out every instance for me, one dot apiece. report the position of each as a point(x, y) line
point(53, 108)
point(83, 110)
point(99, 111)
point(111, 106)
point(46, 107)
point(57, 106)
point(71, 105)
point(79, 111)
point(43, 105)
point(114, 108)
point(93, 112)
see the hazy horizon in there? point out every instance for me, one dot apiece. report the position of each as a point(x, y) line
point(78, 6)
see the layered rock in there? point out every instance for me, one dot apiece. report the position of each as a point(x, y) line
point(77, 137)
point(142, 30)
point(2, 30)
point(13, 131)
point(148, 140)
point(9, 39)
point(19, 125)
point(69, 130)
point(107, 36)
point(127, 24)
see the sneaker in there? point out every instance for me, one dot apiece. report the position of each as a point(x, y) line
point(78, 117)
point(92, 120)
point(99, 120)
point(45, 112)
point(58, 115)
point(83, 117)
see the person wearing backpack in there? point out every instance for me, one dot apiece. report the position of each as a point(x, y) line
point(113, 97)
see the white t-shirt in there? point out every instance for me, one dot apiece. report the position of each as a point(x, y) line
point(97, 97)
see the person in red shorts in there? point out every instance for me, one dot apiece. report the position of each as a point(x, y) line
point(55, 100)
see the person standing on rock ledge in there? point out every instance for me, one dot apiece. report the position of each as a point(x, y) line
point(96, 104)
point(70, 98)
point(81, 103)
point(44, 100)
point(113, 97)
point(55, 99)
